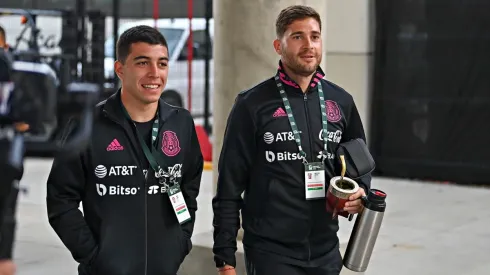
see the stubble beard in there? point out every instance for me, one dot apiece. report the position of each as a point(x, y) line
point(294, 64)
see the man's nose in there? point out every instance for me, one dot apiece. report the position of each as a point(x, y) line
point(153, 70)
point(308, 43)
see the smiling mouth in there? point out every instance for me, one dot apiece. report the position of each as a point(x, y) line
point(151, 86)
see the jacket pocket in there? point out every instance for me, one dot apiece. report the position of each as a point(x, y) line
point(86, 268)
point(257, 199)
point(96, 266)
point(185, 245)
point(286, 213)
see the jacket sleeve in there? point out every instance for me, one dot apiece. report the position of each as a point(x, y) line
point(191, 179)
point(355, 129)
point(236, 158)
point(65, 190)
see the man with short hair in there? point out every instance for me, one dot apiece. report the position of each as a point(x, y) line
point(274, 129)
point(139, 178)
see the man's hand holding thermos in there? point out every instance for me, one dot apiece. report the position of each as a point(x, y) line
point(354, 205)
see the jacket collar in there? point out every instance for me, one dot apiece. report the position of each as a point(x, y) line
point(319, 74)
point(113, 107)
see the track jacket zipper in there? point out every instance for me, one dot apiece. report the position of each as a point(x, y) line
point(131, 138)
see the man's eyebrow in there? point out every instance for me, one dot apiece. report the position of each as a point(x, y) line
point(301, 32)
point(297, 32)
point(142, 57)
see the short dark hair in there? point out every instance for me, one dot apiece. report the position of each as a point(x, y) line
point(137, 34)
point(292, 13)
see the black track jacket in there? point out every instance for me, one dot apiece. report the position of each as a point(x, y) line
point(260, 157)
point(129, 226)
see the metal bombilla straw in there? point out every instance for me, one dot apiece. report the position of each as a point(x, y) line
point(342, 173)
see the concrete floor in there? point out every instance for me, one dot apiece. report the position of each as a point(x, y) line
point(429, 229)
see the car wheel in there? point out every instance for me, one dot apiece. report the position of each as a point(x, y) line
point(172, 97)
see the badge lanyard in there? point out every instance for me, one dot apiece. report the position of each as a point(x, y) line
point(293, 124)
point(314, 171)
point(174, 192)
point(149, 156)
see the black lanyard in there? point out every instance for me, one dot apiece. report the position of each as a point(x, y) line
point(293, 124)
point(149, 156)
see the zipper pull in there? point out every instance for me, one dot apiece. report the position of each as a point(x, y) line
point(305, 97)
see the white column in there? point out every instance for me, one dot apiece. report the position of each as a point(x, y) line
point(243, 52)
point(350, 46)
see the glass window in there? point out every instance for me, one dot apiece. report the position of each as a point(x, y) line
point(199, 41)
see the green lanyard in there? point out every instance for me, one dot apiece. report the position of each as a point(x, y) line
point(149, 156)
point(294, 126)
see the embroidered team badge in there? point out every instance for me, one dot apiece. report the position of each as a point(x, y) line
point(170, 143)
point(333, 111)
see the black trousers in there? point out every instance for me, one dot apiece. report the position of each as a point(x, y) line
point(268, 266)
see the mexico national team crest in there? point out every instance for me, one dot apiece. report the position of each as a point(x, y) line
point(170, 143)
point(333, 111)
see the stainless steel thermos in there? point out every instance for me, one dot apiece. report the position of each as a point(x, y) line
point(365, 231)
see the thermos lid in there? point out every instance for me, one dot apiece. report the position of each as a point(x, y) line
point(376, 196)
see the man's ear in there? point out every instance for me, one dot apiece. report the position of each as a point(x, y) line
point(277, 46)
point(118, 68)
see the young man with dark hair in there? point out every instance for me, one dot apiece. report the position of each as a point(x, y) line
point(139, 178)
point(273, 131)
